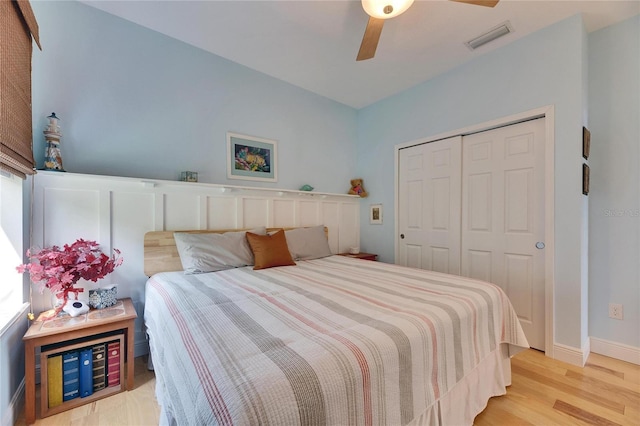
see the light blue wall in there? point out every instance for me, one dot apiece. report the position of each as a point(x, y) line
point(133, 102)
point(614, 121)
point(136, 103)
point(545, 68)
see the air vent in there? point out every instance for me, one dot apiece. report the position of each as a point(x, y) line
point(494, 33)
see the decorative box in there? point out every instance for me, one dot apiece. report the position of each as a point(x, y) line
point(189, 176)
point(103, 297)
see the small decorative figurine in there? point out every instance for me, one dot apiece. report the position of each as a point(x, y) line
point(52, 156)
point(357, 188)
point(306, 187)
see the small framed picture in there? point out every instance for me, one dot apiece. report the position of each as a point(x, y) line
point(585, 179)
point(251, 158)
point(375, 214)
point(586, 143)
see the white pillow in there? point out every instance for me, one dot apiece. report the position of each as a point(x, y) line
point(210, 252)
point(308, 243)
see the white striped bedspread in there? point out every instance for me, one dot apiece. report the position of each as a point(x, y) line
point(334, 341)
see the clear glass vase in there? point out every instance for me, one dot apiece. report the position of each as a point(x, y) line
point(56, 302)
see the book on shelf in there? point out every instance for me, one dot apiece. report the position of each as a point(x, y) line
point(71, 375)
point(86, 372)
point(81, 372)
point(99, 367)
point(113, 363)
point(54, 380)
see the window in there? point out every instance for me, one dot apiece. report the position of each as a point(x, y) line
point(11, 247)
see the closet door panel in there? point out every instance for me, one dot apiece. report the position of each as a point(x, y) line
point(519, 284)
point(440, 259)
point(413, 256)
point(440, 204)
point(479, 203)
point(429, 206)
point(519, 201)
point(478, 265)
point(503, 217)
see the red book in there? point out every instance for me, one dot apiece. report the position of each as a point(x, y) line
point(113, 363)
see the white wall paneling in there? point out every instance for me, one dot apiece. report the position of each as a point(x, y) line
point(117, 212)
point(283, 212)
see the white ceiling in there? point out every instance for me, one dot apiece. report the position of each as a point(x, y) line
point(313, 44)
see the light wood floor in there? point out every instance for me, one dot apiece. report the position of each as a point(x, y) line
point(544, 392)
point(549, 392)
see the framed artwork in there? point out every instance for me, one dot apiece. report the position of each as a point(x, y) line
point(251, 158)
point(375, 214)
point(586, 143)
point(585, 179)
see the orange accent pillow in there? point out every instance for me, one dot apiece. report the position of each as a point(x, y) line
point(270, 250)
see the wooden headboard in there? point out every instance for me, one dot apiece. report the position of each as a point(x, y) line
point(161, 253)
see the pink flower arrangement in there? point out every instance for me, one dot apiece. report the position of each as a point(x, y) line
point(60, 269)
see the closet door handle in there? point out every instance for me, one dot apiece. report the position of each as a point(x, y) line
point(402, 236)
point(539, 245)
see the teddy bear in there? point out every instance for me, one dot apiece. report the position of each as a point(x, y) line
point(357, 188)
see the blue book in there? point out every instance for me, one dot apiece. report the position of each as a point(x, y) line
point(86, 372)
point(71, 375)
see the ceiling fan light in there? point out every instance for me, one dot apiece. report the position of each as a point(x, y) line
point(376, 8)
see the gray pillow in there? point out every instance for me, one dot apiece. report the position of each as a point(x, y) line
point(307, 243)
point(210, 252)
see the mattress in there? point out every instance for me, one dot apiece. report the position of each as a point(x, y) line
point(329, 341)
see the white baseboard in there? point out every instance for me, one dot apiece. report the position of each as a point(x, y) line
point(570, 354)
point(586, 350)
point(616, 350)
point(17, 400)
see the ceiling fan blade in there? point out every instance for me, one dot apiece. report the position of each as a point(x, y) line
point(370, 39)
point(487, 3)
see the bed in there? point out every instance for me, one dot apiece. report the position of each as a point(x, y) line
point(327, 340)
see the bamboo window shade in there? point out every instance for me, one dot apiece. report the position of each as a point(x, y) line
point(17, 26)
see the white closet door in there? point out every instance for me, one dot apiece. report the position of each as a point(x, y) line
point(503, 217)
point(429, 206)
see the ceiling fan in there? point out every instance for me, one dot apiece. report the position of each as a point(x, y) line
point(380, 10)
